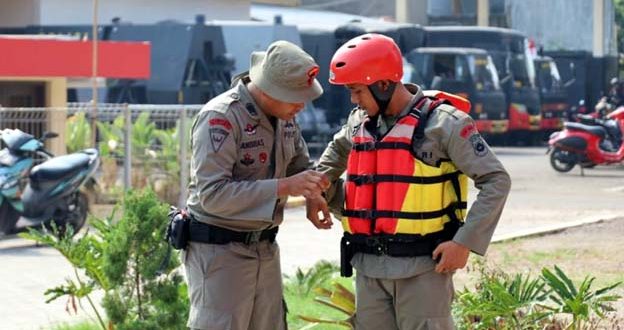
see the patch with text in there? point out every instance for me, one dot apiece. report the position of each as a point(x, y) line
point(252, 144)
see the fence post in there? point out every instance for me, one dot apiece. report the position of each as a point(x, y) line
point(127, 147)
point(184, 164)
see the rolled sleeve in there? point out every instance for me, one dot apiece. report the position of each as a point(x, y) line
point(333, 163)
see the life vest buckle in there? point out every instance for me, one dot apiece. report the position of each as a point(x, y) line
point(364, 179)
point(368, 146)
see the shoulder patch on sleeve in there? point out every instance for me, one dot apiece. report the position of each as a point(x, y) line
point(217, 137)
point(468, 130)
point(220, 122)
point(478, 145)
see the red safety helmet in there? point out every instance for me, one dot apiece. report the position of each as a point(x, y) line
point(366, 59)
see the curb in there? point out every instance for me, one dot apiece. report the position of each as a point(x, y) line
point(549, 229)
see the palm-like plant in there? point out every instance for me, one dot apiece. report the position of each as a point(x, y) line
point(303, 282)
point(111, 137)
point(338, 298)
point(503, 301)
point(78, 132)
point(581, 302)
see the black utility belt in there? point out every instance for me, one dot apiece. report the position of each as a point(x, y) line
point(399, 245)
point(394, 246)
point(205, 233)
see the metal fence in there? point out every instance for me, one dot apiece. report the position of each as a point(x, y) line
point(140, 145)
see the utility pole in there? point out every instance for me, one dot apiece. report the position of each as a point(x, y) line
point(411, 11)
point(94, 73)
point(598, 28)
point(483, 12)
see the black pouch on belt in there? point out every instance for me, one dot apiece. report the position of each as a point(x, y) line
point(178, 228)
point(346, 254)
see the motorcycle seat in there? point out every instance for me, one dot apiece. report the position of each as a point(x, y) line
point(59, 168)
point(595, 130)
point(587, 119)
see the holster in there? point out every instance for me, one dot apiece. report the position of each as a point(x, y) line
point(178, 228)
point(346, 254)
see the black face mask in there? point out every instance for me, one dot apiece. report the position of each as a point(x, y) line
point(382, 98)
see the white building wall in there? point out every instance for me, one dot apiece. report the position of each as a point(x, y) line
point(563, 24)
point(63, 12)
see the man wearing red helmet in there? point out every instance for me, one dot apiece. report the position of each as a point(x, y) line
point(407, 155)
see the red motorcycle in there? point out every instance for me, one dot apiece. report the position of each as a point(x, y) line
point(600, 143)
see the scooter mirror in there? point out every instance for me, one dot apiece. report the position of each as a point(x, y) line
point(48, 135)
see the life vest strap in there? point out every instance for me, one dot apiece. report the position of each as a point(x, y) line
point(375, 214)
point(376, 178)
point(371, 146)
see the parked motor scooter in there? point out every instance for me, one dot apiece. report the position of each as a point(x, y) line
point(46, 192)
point(588, 145)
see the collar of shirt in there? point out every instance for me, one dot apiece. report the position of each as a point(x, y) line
point(250, 104)
point(386, 122)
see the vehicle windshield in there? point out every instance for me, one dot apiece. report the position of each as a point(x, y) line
point(548, 77)
point(432, 69)
point(483, 72)
point(521, 65)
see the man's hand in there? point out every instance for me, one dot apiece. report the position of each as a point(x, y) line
point(313, 207)
point(453, 256)
point(307, 183)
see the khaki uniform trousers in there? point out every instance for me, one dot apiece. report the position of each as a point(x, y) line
point(235, 286)
point(419, 302)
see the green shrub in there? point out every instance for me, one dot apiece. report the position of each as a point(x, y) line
point(128, 259)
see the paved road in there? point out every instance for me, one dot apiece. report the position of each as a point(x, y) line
point(540, 197)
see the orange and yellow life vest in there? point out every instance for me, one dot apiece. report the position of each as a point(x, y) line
point(390, 191)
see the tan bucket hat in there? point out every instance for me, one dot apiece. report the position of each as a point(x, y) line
point(286, 73)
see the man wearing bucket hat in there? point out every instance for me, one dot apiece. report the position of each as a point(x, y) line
point(407, 154)
point(248, 156)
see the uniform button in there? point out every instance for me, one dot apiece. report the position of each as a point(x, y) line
point(235, 96)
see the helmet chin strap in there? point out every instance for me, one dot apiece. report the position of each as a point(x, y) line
point(382, 98)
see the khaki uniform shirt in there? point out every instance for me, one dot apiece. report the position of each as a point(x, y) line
point(449, 134)
point(238, 155)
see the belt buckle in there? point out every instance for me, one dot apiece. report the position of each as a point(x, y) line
point(253, 237)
